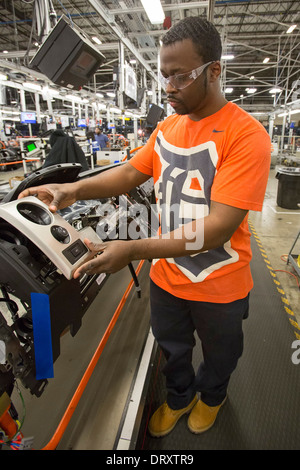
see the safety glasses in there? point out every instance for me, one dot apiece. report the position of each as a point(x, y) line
point(182, 80)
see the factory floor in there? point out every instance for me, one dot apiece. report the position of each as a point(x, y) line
point(95, 423)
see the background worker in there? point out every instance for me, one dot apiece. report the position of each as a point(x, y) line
point(101, 138)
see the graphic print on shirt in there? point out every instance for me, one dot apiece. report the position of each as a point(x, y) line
point(183, 194)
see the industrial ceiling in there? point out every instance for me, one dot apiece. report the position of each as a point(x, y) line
point(254, 32)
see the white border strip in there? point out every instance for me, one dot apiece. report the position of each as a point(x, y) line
point(135, 399)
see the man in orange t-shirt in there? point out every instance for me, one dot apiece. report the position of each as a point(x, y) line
point(210, 163)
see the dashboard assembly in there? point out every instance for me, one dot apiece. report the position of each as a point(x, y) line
point(39, 252)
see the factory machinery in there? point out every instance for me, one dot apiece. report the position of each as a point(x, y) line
point(39, 252)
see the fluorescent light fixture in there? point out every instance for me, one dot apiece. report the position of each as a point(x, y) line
point(132, 61)
point(72, 97)
point(228, 90)
point(115, 110)
point(14, 119)
point(3, 77)
point(5, 52)
point(99, 95)
point(251, 90)
point(50, 91)
point(111, 95)
point(76, 98)
point(32, 86)
point(227, 57)
point(96, 40)
point(266, 60)
point(154, 11)
point(275, 90)
point(294, 111)
point(291, 29)
point(9, 112)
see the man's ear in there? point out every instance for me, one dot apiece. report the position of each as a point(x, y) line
point(214, 71)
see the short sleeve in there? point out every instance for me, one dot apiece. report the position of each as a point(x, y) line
point(143, 159)
point(241, 179)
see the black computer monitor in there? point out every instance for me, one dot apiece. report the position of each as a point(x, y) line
point(67, 57)
point(155, 114)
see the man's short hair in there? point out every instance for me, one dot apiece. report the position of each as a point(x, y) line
point(202, 32)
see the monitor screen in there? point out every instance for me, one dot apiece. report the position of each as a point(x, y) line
point(31, 146)
point(81, 123)
point(28, 117)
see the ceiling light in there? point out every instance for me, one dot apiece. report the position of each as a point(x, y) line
point(3, 77)
point(154, 11)
point(115, 110)
point(9, 112)
point(5, 52)
point(111, 95)
point(294, 111)
point(96, 40)
point(228, 90)
point(275, 90)
point(99, 95)
point(32, 86)
point(252, 77)
point(251, 90)
point(266, 60)
point(74, 98)
point(227, 57)
point(291, 29)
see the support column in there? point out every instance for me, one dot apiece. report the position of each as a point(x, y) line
point(37, 107)
point(121, 83)
point(22, 100)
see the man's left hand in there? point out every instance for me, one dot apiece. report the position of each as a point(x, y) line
point(108, 258)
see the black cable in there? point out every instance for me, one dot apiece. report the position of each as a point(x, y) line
point(135, 279)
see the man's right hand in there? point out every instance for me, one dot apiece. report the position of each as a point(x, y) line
point(56, 196)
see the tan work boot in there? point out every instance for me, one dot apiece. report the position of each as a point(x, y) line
point(203, 417)
point(164, 419)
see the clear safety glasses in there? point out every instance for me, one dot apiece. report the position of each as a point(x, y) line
point(182, 80)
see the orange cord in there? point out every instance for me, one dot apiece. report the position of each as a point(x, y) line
point(53, 443)
point(14, 163)
point(132, 151)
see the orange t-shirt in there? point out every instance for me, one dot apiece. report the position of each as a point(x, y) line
point(224, 158)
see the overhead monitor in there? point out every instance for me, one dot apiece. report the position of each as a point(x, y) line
point(81, 123)
point(67, 57)
point(155, 114)
point(28, 117)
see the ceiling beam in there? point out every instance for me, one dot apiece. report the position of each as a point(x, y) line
point(166, 7)
point(109, 19)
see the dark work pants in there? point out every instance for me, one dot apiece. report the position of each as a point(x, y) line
point(219, 328)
